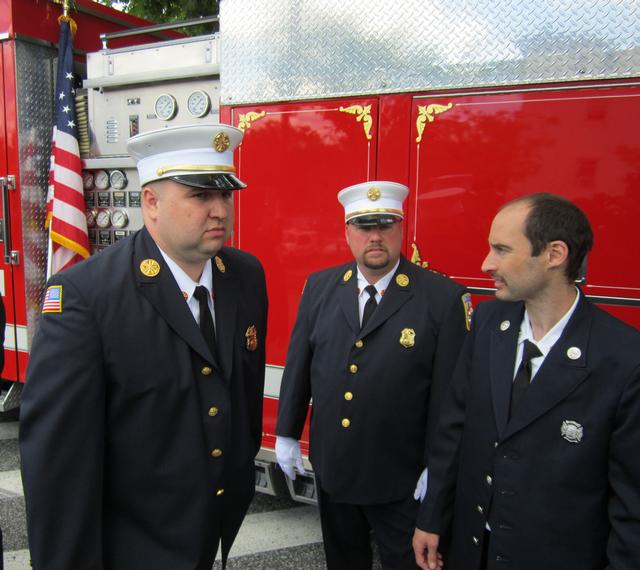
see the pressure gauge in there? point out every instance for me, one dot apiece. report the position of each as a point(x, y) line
point(166, 107)
point(87, 180)
point(119, 219)
point(198, 103)
point(118, 179)
point(101, 179)
point(91, 218)
point(103, 218)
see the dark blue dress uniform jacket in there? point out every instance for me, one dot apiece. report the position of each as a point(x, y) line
point(389, 393)
point(123, 406)
point(560, 481)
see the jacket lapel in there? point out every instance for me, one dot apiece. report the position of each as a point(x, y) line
point(504, 341)
point(562, 371)
point(397, 294)
point(161, 290)
point(226, 287)
point(348, 297)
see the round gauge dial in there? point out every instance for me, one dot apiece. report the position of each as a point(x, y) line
point(91, 218)
point(119, 219)
point(198, 103)
point(87, 180)
point(118, 179)
point(101, 179)
point(103, 218)
point(166, 107)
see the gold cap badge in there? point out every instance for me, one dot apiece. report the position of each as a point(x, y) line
point(374, 193)
point(347, 275)
point(252, 338)
point(149, 267)
point(407, 337)
point(221, 142)
point(220, 264)
point(402, 280)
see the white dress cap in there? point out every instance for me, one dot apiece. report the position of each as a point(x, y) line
point(196, 155)
point(373, 202)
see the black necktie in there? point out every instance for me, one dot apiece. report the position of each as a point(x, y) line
point(370, 305)
point(206, 322)
point(523, 375)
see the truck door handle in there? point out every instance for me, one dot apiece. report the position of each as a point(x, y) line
point(10, 257)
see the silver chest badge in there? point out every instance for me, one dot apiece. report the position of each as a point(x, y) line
point(571, 431)
point(504, 325)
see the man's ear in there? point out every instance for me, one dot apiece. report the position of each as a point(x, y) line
point(150, 201)
point(557, 253)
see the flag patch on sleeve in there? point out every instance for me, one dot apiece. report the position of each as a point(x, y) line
point(53, 300)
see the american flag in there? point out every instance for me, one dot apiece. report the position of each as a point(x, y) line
point(66, 218)
point(53, 300)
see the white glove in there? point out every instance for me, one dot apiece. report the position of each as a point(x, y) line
point(421, 485)
point(289, 457)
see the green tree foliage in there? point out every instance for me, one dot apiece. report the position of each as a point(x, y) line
point(171, 11)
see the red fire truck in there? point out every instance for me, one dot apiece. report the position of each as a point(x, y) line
point(468, 103)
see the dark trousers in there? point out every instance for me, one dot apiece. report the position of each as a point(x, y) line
point(346, 533)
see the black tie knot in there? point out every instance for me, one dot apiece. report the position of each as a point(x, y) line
point(530, 351)
point(201, 294)
point(371, 289)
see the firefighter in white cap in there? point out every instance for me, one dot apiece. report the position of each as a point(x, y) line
point(142, 409)
point(374, 346)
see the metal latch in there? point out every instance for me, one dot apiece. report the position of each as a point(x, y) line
point(11, 257)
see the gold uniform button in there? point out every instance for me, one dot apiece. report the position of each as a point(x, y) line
point(346, 423)
point(206, 371)
point(213, 411)
point(220, 492)
point(353, 368)
point(359, 344)
point(216, 452)
point(348, 396)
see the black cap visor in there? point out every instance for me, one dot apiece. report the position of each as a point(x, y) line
point(211, 181)
point(375, 220)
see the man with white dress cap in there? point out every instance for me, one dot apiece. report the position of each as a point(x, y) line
point(142, 407)
point(374, 346)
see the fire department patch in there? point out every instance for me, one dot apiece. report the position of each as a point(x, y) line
point(252, 338)
point(402, 280)
point(53, 300)
point(149, 267)
point(468, 309)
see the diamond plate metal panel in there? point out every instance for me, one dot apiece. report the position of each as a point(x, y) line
point(35, 78)
point(283, 49)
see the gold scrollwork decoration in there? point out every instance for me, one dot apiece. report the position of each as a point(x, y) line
point(416, 258)
point(428, 113)
point(245, 120)
point(363, 115)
